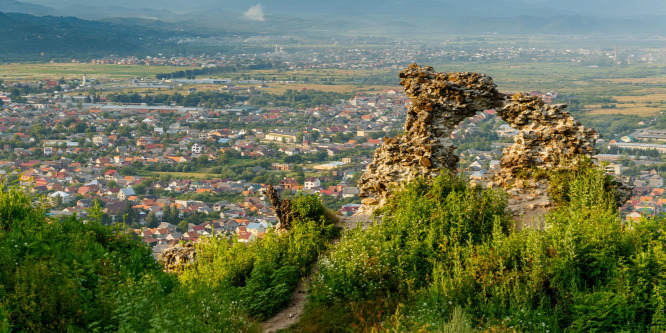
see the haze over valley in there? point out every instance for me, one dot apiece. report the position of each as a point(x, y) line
point(331, 166)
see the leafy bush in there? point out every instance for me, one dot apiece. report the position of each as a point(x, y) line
point(449, 246)
point(54, 274)
point(422, 224)
point(261, 276)
point(580, 183)
point(445, 258)
point(80, 277)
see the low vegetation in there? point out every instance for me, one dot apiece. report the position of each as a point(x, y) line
point(80, 276)
point(445, 254)
point(261, 276)
point(445, 259)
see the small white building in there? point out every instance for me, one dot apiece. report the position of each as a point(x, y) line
point(311, 182)
point(125, 193)
point(196, 149)
point(66, 197)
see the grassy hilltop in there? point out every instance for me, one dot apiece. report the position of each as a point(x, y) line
point(444, 259)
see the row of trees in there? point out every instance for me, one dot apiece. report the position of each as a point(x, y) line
point(217, 99)
point(299, 98)
point(193, 73)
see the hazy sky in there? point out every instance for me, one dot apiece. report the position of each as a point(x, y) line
point(384, 18)
point(261, 9)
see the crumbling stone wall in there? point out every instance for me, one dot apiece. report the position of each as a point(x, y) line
point(439, 102)
point(549, 137)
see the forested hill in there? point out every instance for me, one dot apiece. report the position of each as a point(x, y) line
point(25, 37)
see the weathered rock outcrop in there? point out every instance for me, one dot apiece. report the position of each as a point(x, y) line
point(439, 102)
point(176, 258)
point(623, 189)
point(281, 208)
point(549, 138)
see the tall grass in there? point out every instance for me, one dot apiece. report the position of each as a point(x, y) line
point(261, 276)
point(448, 246)
point(73, 276)
point(444, 259)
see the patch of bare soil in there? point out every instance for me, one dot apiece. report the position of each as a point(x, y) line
point(292, 314)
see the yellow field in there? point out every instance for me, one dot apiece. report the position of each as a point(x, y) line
point(75, 70)
point(653, 98)
point(639, 105)
point(641, 80)
point(631, 110)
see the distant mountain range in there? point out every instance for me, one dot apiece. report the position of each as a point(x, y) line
point(335, 8)
point(32, 27)
point(32, 38)
point(373, 16)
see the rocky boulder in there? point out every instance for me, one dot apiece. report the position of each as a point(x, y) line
point(176, 258)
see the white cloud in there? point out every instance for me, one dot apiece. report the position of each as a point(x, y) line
point(255, 13)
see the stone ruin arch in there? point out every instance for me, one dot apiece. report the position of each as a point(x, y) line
point(549, 136)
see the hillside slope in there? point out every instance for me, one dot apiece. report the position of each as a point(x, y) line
point(443, 257)
point(26, 37)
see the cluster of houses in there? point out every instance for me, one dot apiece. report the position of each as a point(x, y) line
point(81, 161)
point(243, 229)
point(396, 57)
point(77, 188)
point(648, 199)
point(358, 118)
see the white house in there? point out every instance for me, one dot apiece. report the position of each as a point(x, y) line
point(66, 197)
point(196, 149)
point(311, 182)
point(125, 193)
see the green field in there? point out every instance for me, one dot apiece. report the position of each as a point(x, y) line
point(640, 89)
point(18, 71)
point(569, 77)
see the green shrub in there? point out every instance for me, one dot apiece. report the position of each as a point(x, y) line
point(601, 312)
point(398, 256)
point(261, 276)
point(16, 209)
point(268, 289)
point(4, 321)
point(307, 207)
point(446, 246)
point(67, 275)
point(583, 185)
